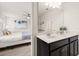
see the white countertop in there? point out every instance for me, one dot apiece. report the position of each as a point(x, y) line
point(55, 37)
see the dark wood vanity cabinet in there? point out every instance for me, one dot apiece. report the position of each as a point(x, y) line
point(42, 48)
point(74, 48)
point(64, 51)
point(55, 53)
point(64, 47)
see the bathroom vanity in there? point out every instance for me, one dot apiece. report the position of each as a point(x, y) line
point(57, 45)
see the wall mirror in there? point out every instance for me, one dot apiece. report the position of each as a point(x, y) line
point(50, 16)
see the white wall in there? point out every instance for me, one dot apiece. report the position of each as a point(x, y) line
point(34, 27)
point(70, 16)
point(10, 11)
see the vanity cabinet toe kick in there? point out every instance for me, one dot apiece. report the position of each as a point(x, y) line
point(65, 47)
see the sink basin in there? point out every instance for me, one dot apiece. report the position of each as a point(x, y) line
point(56, 34)
point(52, 35)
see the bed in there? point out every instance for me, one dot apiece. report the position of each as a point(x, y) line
point(14, 39)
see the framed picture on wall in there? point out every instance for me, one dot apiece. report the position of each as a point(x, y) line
point(21, 24)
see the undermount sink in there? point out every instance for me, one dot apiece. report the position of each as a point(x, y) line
point(57, 34)
point(52, 35)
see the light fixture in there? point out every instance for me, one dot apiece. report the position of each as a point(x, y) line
point(53, 4)
point(28, 16)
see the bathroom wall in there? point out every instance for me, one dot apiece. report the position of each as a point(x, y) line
point(70, 16)
point(34, 27)
point(10, 11)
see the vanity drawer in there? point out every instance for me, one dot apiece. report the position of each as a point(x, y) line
point(58, 44)
point(73, 38)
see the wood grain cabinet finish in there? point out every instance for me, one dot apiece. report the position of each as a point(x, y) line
point(73, 38)
point(58, 44)
point(74, 48)
point(64, 47)
point(64, 51)
point(56, 52)
point(42, 48)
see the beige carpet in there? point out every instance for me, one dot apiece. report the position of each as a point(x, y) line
point(19, 51)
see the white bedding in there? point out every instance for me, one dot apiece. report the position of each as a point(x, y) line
point(12, 37)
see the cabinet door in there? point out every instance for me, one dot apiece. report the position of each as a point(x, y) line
point(76, 47)
point(42, 48)
point(56, 52)
point(72, 49)
point(65, 51)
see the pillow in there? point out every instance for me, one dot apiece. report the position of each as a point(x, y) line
point(6, 32)
point(1, 33)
